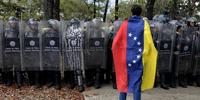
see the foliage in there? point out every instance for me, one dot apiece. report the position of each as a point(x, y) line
point(27, 10)
point(81, 8)
point(85, 8)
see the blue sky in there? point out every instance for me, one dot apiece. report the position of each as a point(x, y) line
point(112, 2)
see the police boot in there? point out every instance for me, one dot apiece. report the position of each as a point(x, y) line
point(37, 80)
point(30, 78)
point(79, 76)
point(114, 80)
point(71, 80)
point(108, 74)
point(18, 79)
point(97, 79)
point(51, 79)
point(185, 81)
point(190, 80)
point(57, 81)
point(89, 80)
point(1, 77)
point(197, 80)
point(182, 82)
point(174, 82)
point(162, 82)
point(8, 78)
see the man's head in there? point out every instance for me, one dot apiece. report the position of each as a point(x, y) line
point(33, 24)
point(13, 22)
point(191, 21)
point(136, 10)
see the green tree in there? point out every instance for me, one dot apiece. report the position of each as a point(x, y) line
point(75, 8)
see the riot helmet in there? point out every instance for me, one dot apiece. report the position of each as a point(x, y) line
point(13, 22)
point(191, 21)
point(53, 23)
point(75, 22)
point(33, 24)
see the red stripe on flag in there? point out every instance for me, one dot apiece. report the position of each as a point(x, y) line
point(119, 56)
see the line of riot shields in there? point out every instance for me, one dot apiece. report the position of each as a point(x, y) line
point(74, 47)
point(178, 53)
point(82, 51)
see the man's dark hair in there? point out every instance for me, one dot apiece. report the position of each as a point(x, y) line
point(178, 28)
point(136, 9)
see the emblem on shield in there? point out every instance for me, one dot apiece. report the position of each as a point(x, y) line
point(32, 43)
point(97, 43)
point(52, 42)
point(165, 45)
point(73, 42)
point(186, 48)
point(12, 43)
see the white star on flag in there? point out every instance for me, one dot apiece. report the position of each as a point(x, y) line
point(140, 50)
point(129, 65)
point(138, 43)
point(134, 61)
point(138, 56)
point(135, 38)
point(130, 34)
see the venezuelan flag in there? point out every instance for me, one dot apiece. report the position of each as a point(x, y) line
point(134, 56)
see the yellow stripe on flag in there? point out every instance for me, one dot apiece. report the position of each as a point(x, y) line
point(149, 58)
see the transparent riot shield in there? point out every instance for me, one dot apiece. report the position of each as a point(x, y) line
point(165, 44)
point(197, 54)
point(11, 46)
point(31, 46)
point(95, 46)
point(1, 48)
point(154, 31)
point(191, 34)
point(73, 39)
point(51, 45)
point(185, 53)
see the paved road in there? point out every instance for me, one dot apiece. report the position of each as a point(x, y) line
point(107, 93)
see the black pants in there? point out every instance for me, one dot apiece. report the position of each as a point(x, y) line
point(197, 80)
point(69, 77)
point(51, 77)
point(174, 72)
point(94, 76)
point(34, 77)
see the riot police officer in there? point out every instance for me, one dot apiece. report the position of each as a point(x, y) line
point(164, 44)
point(197, 57)
point(12, 60)
point(73, 38)
point(1, 53)
point(191, 30)
point(95, 52)
point(31, 52)
point(51, 53)
point(176, 49)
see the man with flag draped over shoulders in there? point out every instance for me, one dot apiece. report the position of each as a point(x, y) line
point(134, 56)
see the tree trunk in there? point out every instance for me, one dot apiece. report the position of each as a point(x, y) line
point(48, 8)
point(56, 9)
point(94, 14)
point(191, 7)
point(149, 9)
point(175, 8)
point(105, 12)
point(51, 9)
point(116, 9)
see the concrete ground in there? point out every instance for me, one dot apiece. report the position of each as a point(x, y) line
point(107, 93)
